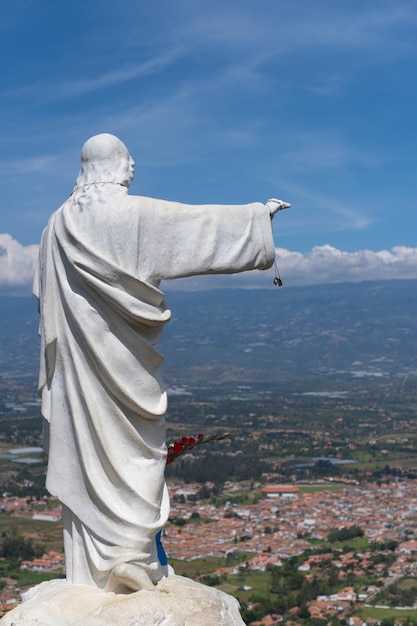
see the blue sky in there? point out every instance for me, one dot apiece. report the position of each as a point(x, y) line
point(228, 102)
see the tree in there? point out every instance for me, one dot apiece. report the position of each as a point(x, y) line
point(17, 548)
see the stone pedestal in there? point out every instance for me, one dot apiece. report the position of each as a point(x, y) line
point(175, 601)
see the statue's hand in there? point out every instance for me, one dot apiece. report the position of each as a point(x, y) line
point(275, 205)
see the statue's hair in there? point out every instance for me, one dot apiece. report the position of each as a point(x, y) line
point(104, 170)
point(96, 195)
point(104, 159)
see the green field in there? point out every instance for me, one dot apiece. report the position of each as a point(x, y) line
point(48, 534)
point(259, 583)
point(323, 487)
point(380, 614)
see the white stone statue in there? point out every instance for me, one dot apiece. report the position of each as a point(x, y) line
point(102, 257)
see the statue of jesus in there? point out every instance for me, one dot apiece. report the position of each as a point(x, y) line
point(102, 257)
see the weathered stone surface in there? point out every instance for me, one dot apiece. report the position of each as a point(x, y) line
point(175, 601)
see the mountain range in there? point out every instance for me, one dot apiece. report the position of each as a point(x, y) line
point(352, 329)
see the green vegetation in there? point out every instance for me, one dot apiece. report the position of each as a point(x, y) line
point(389, 616)
point(402, 592)
point(25, 578)
point(48, 534)
point(280, 588)
point(345, 534)
point(217, 468)
point(357, 543)
point(200, 567)
point(15, 547)
point(322, 487)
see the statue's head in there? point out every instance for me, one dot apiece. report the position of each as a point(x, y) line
point(105, 159)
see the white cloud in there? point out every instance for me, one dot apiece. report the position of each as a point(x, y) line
point(323, 264)
point(17, 264)
point(326, 264)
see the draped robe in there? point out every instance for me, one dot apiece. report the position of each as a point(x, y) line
point(102, 257)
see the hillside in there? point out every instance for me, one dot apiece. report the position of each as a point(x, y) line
point(367, 328)
point(358, 330)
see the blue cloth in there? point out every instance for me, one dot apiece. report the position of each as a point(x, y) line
point(161, 552)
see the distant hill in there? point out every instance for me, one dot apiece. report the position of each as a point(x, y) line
point(19, 351)
point(369, 328)
point(357, 329)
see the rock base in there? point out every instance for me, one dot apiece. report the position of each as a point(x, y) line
point(175, 601)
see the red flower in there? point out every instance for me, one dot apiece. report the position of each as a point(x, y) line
point(188, 443)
